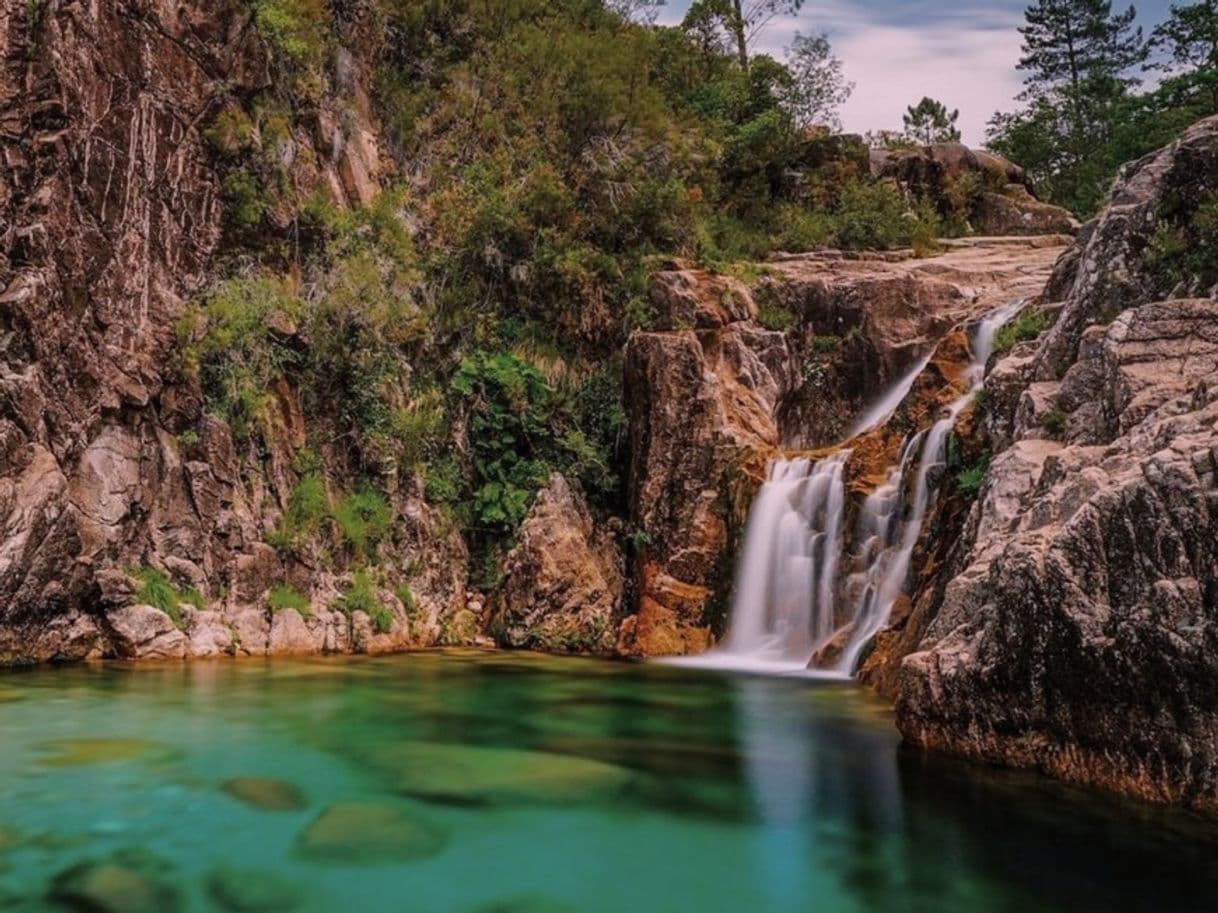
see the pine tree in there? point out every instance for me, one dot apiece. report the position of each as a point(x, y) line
point(1189, 38)
point(1079, 60)
point(1070, 43)
point(929, 122)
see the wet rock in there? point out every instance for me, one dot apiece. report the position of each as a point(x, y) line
point(251, 891)
point(124, 883)
point(365, 834)
point(563, 581)
point(266, 793)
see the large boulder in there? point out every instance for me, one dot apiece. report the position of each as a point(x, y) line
point(992, 194)
point(563, 582)
point(1072, 627)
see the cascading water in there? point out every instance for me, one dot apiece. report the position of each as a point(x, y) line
point(786, 581)
point(789, 581)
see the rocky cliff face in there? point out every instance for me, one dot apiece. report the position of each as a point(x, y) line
point(1072, 627)
point(110, 215)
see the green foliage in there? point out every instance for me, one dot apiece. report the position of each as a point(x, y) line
point(1053, 421)
point(406, 597)
point(154, 588)
point(362, 596)
point(229, 342)
point(970, 479)
point(283, 598)
point(929, 122)
point(307, 510)
point(512, 408)
point(296, 28)
point(1026, 326)
point(873, 216)
point(775, 317)
point(1184, 247)
point(444, 481)
point(363, 518)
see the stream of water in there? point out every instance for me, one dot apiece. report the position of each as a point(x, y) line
point(799, 563)
point(509, 783)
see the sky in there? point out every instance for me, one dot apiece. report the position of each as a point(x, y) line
point(895, 51)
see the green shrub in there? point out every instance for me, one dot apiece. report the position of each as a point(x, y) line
point(775, 317)
point(1026, 326)
point(405, 596)
point(514, 443)
point(229, 343)
point(362, 596)
point(307, 510)
point(157, 590)
point(363, 517)
point(970, 479)
point(1053, 421)
point(283, 598)
point(872, 215)
point(297, 28)
point(444, 481)
point(823, 345)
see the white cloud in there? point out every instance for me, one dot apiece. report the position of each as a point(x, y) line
point(964, 57)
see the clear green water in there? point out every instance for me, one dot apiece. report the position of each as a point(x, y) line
point(500, 782)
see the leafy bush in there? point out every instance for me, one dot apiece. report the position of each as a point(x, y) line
point(872, 215)
point(157, 590)
point(970, 479)
point(1026, 326)
point(229, 342)
point(284, 598)
point(511, 410)
point(362, 596)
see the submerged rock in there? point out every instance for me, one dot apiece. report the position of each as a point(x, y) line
point(474, 775)
point(266, 793)
point(83, 752)
point(251, 891)
point(124, 883)
point(526, 905)
point(355, 833)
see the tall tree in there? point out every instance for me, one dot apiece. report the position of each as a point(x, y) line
point(817, 86)
point(1079, 60)
point(742, 20)
point(1068, 43)
point(1189, 41)
point(929, 122)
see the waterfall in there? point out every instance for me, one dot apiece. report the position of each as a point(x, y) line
point(795, 569)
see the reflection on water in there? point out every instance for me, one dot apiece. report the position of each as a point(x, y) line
point(472, 782)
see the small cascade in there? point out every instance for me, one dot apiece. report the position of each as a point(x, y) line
point(800, 566)
point(785, 593)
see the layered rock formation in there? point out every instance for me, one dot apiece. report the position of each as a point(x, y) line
point(111, 217)
point(1072, 626)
